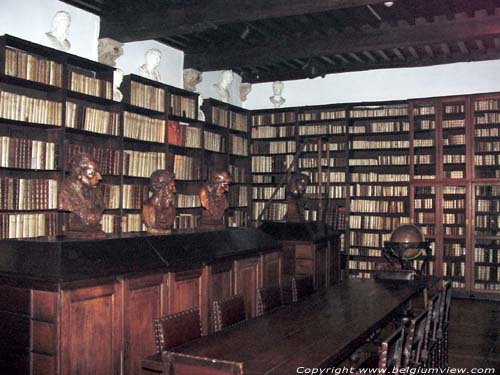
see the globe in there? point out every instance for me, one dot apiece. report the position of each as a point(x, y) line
point(406, 241)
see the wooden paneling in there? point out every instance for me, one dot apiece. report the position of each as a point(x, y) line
point(184, 290)
point(220, 285)
point(91, 330)
point(271, 269)
point(247, 280)
point(45, 306)
point(143, 302)
point(321, 266)
point(15, 300)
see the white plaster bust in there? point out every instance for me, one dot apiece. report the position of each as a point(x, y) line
point(277, 99)
point(245, 89)
point(149, 69)
point(201, 115)
point(58, 36)
point(222, 86)
point(117, 81)
point(109, 50)
point(192, 78)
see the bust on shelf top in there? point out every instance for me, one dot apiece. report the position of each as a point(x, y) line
point(58, 36)
point(245, 89)
point(158, 212)
point(149, 69)
point(214, 201)
point(117, 82)
point(277, 99)
point(108, 51)
point(295, 190)
point(80, 195)
point(191, 79)
point(222, 86)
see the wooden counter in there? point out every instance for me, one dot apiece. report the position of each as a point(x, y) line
point(87, 306)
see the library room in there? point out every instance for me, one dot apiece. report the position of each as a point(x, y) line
point(249, 187)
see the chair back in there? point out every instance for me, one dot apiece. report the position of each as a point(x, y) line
point(301, 287)
point(177, 329)
point(446, 303)
point(268, 299)
point(415, 339)
point(434, 314)
point(184, 364)
point(391, 350)
point(228, 311)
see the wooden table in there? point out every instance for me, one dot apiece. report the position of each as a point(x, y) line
point(318, 331)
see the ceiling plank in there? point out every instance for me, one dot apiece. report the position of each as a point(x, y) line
point(421, 34)
point(127, 25)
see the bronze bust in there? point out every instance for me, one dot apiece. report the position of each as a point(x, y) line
point(295, 190)
point(214, 201)
point(158, 212)
point(80, 195)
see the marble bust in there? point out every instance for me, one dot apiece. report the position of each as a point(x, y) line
point(222, 86)
point(214, 201)
point(108, 51)
point(149, 69)
point(158, 212)
point(245, 89)
point(277, 99)
point(295, 190)
point(117, 81)
point(80, 195)
point(58, 36)
point(191, 79)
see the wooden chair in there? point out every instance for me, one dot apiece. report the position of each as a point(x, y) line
point(414, 342)
point(301, 287)
point(228, 311)
point(429, 351)
point(184, 364)
point(268, 299)
point(442, 331)
point(390, 353)
point(177, 329)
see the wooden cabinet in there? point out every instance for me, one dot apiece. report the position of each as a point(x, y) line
point(91, 323)
point(247, 280)
point(271, 269)
point(220, 284)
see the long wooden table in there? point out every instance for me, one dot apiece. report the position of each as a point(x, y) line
point(319, 331)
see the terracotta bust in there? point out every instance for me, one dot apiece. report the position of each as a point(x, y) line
point(294, 197)
point(80, 195)
point(158, 212)
point(214, 201)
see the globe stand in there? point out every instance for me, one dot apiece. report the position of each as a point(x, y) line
point(401, 254)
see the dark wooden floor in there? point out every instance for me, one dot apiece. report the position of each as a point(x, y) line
point(474, 334)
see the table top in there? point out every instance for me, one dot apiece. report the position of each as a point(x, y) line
point(320, 330)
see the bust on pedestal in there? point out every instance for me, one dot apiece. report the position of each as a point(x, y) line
point(214, 201)
point(158, 212)
point(295, 190)
point(80, 195)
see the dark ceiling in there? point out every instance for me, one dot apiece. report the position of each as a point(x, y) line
point(268, 40)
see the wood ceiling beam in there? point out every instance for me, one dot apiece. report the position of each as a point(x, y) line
point(386, 38)
point(130, 25)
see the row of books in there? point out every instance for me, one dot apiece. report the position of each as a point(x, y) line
point(424, 159)
point(26, 153)
point(238, 196)
point(371, 206)
point(373, 222)
point(220, 117)
point(28, 225)
point(422, 125)
point(28, 194)
point(379, 177)
point(454, 108)
point(454, 159)
point(187, 168)
point(324, 177)
point(487, 118)
point(183, 106)
point(322, 115)
point(485, 255)
point(273, 118)
point(239, 145)
point(27, 66)
point(424, 110)
point(111, 195)
point(214, 141)
point(237, 218)
point(383, 160)
point(486, 132)
point(108, 159)
point(90, 86)
point(239, 121)
point(92, 119)
point(182, 135)
point(238, 174)
point(273, 147)
point(486, 105)
point(453, 269)
point(423, 142)
point(275, 211)
point(321, 129)
point(265, 192)
point(265, 164)
point(312, 162)
point(453, 139)
point(144, 128)
point(367, 145)
point(134, 196)
point(147, 96)
point(273, 131)
point(379, 112)
point(24, 108)
point(142, 164)
point(423, 203)
point(450, 124)
point(331, 146)
point(354, 251)
point(132, 223)
point(378, 191)
point(187, 200)
point(455, 204)
point(454, 249)
point(379, 127)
